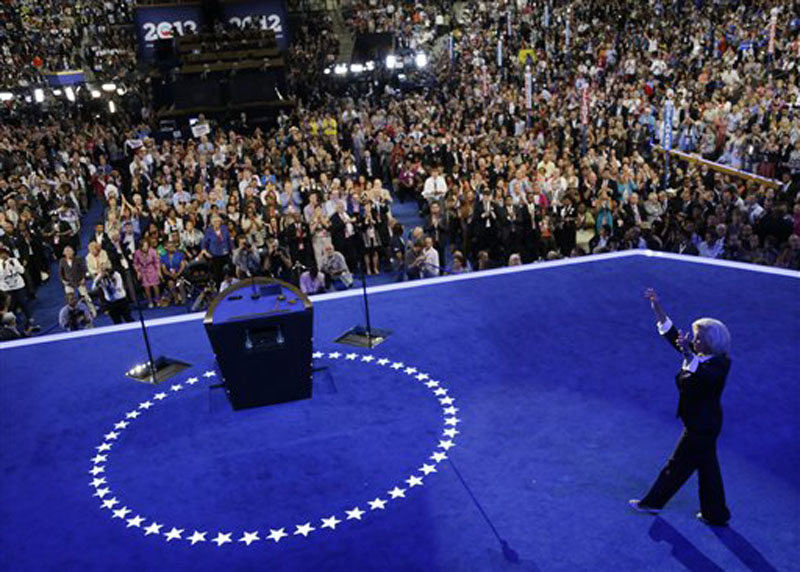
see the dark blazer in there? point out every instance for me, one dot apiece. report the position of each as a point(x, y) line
point(700, 391)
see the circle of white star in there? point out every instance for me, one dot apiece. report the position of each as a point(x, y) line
point(103, 490)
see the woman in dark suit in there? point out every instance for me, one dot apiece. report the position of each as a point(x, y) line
point(700, 383)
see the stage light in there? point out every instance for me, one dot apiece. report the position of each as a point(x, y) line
point(121, 91)
point(70, 93)
point(356, 68)
point(340, 69)
point(96, 93)
point(370, 65)
point(57, 92)
point(421, 60)
point(327, 71)
point(6, 96)
point(38, 95)
point(391, 62)
point(112, 107)
point(109, 86)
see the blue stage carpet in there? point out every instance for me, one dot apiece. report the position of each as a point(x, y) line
point(543, 399)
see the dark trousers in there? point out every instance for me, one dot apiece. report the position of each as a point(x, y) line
point(19, 300)
point(693, 453)
point(218, 264)
point(118, 311)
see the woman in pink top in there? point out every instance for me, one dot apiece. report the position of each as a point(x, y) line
point(148, 269)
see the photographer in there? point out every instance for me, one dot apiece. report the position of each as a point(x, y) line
point(75, 315)
point(13, 284)
point(111, 284)
point(335, 268)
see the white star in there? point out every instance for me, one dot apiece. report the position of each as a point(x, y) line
point(452, 421)
point(101, 492)
point(446, 444)
point(330, 522)
point(121, 424)
point(413, 481)
point(427, 469)
point(111, 435)
point(176, 387)
point(174, 534)
point(222, 538)
point(304, 529)
point(210, 373)
point(317, 355)
point(440, 391)
point(154, 528)
point(160, 396)
point(397, 493)
point(450, 410)
point(438, 457)
point(249, 537)
point(135, 521)
point(422, 376)
point(97, 482)
point(432, 384)
point(367, 358)
point(104, 447)
point(382, 361)
point(356, 514)
point(145, 405)
point(446, 400)
point(121, 512)
point(351, 357)
point(276, 535)
point(132, 414)
point(334, 355)
point(398, 365)
point(197, 537)
point(376, 504)
point(191, 381)
point(452, 432)
point(99, 459)
point(109, 503)
point(97, 470)
point(410, 370)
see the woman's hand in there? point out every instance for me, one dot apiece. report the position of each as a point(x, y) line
point(684, 342)
point(655, 304)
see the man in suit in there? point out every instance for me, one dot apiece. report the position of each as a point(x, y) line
point(633, 211)
point(700, 382)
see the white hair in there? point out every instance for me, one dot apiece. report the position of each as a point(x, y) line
point(715, 334)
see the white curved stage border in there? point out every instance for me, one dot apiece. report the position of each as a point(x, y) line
point(486, 274)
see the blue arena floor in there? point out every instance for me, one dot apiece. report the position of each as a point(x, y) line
point(503, 426)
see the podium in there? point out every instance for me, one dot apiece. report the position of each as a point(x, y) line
point(260, 330)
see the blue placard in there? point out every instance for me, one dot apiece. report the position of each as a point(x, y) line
point(164, 22)
point(67, 77)
point(266, 14)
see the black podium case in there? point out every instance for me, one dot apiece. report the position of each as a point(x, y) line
point(260, 330)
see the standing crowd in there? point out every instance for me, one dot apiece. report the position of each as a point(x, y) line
point(496, 177)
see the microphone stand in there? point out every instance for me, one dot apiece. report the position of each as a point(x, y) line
point(360, 336)
point(154, 371)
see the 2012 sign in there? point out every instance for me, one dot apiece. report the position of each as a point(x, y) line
point(264, 22)
point(153, 31)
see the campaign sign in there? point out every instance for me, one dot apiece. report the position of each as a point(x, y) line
point(265, 14)
point(162, 22)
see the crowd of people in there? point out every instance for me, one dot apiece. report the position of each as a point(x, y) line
point(497, 178)
point(39, 37)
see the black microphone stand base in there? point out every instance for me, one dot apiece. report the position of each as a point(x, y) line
point(159, 370)
point(362, 337)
